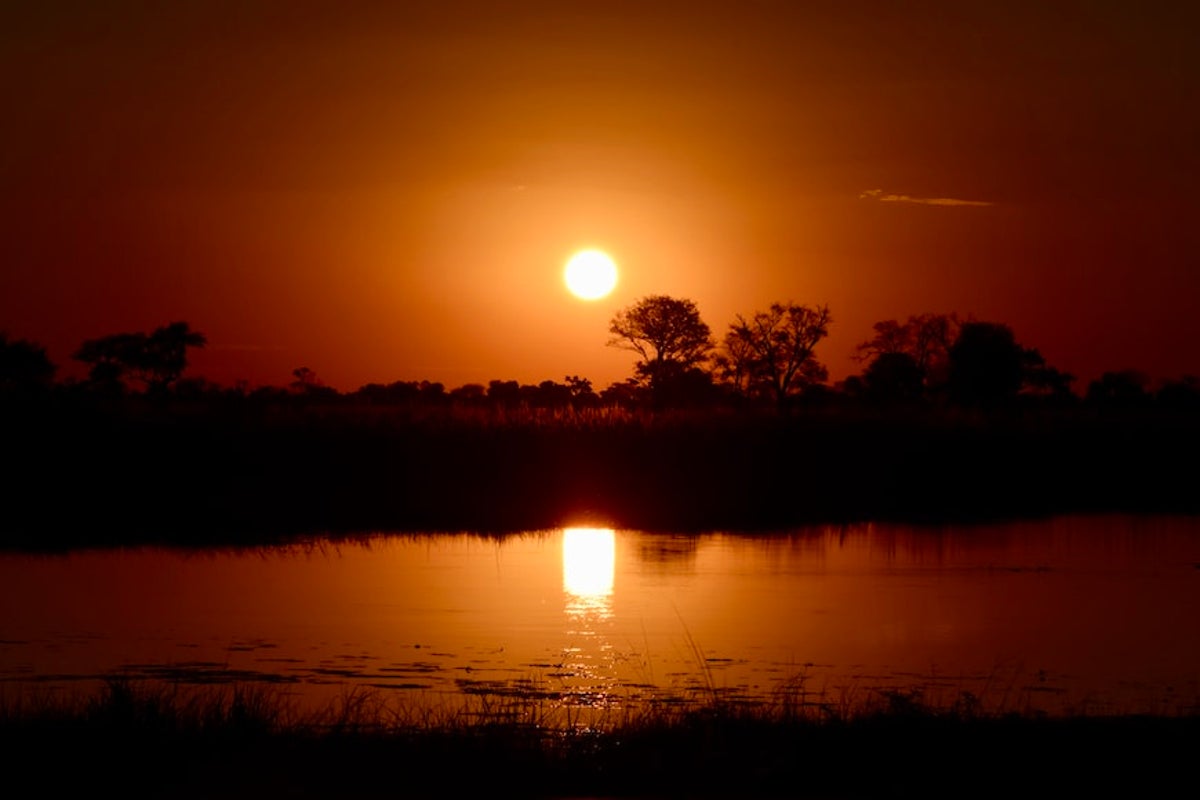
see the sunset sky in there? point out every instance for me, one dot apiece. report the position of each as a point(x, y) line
point(388, 191)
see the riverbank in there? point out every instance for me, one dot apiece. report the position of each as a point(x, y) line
point(156, 742)
point(179, 475)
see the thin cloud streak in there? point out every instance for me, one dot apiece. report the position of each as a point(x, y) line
point(878, 194)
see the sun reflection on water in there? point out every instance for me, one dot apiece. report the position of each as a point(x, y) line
point(589, 564)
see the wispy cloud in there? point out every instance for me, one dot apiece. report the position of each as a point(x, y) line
point(886, 197)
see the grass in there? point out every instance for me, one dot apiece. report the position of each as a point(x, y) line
point(145, 739)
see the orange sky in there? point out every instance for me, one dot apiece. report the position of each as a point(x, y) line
point(387, 191)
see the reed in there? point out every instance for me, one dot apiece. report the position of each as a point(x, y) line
point(160, 740)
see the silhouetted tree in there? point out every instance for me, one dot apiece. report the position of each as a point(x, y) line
point(550, 394)
point(626, 394)
point(157, 360)
point(432, 392)
point(692, 387)
point(112, 358)
point(306, 384)
point(1122, 388)
point(733, 363)
point(304, 379)
point(668, 334)
point(24, 366)
point(504, 393)
point(469, 393)
point(987, 366)
point(166, 353)
point(403, 393)
point(399, 392)
point(1180, 394)
point(925, 338)
point(773, 350)
point(852, 388)
point(893, 377)
point(582, 394)
point(1041, 380)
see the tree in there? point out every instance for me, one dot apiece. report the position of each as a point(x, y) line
point(24, 366)
point(112, 358)
point(772, 352)
point(1043, 381)
point(166, 353)
point(893, 378)
point(1183, 393)
point(1121, 388)
point(472, 394)
point(157, 359)
point(582, 393)
point(924, 338)
point(504, 393)
point(550, 394)
point(626, 394)
point(305, 379)
point(668, 334)
point(987, 366)
point(733, 363)
point(306, 384)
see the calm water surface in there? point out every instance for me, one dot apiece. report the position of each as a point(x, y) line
point(1093, 614)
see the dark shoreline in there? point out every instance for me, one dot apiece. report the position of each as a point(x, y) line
point(174, 477)
point(150, 743)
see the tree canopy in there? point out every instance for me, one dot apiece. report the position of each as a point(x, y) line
point(23, 365)
point(772, 351)
point(926, 340)
point(156, 360)
point(667, 333)
point(987, 365)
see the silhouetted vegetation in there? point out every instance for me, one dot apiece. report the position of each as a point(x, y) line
point(949, 419)
point(24, 367)
point(771, 353)
point(672, 342)
point(163, 742)
point(987, 367)
point(894, 378)
point(155, 360)
point(925, 338)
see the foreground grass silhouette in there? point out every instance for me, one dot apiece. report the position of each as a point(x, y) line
point(144, 740)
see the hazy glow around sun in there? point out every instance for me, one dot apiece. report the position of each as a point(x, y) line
point(590, 274)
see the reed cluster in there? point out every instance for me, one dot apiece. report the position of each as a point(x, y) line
point(236, 742)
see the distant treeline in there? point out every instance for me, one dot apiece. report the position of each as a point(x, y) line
point(976, 428)
point(766, 361)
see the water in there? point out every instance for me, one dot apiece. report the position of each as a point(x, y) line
point(1067, 615)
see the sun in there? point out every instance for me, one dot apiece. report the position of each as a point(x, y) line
point(590, 274)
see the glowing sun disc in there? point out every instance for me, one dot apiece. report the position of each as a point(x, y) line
point(590, 274)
